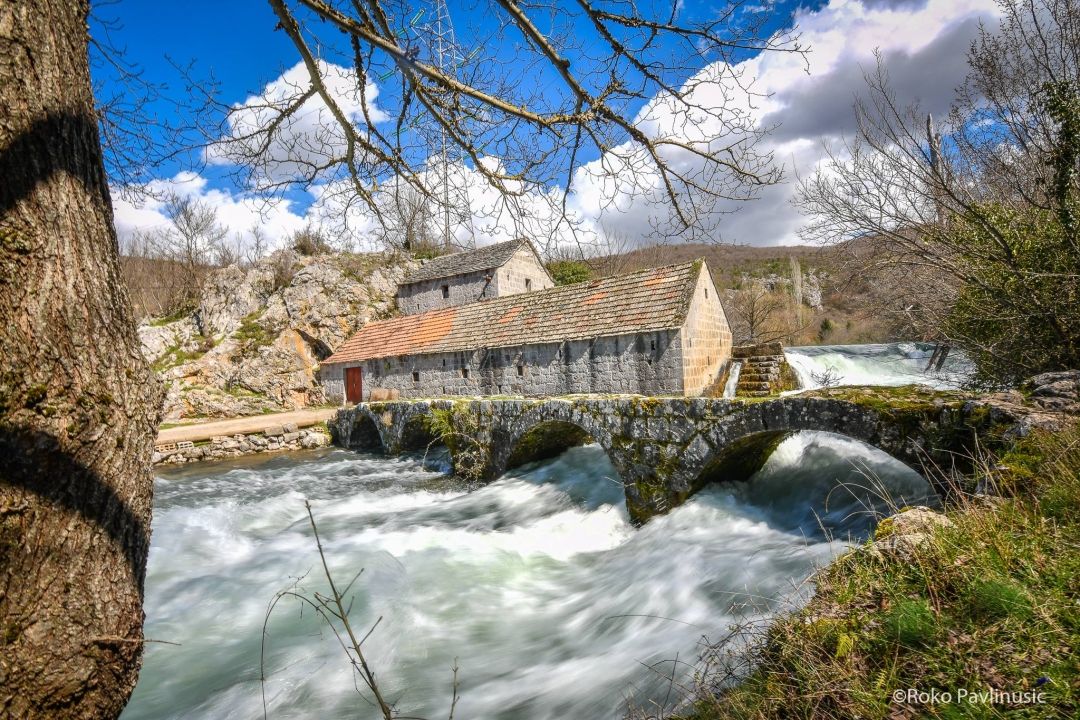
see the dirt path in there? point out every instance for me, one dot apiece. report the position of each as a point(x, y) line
point(244, 425)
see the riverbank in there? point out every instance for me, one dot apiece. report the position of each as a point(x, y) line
point(218, 439)
point(985, 601)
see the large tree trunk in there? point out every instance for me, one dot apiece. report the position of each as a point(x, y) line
point(78, 404)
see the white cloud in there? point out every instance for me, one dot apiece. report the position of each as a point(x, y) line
point(924, 46)
point(924, 43)
point(238, 212)
point(304, 138)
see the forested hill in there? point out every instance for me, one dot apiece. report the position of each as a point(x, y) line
point(801, 294)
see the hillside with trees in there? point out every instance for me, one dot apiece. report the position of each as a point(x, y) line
point(798, 294)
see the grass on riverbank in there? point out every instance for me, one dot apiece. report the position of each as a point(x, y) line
point(991, 602)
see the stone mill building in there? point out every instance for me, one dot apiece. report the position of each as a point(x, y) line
point(494, 271)
point(660, 331)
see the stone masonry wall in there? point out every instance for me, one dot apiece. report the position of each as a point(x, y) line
point(272, 439)
point(511, 278)
point(332, 379)
point(706, 339)
point(645, 363)
point(428, 295)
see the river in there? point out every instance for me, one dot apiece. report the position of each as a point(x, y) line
point(876, 364)
point(551, 603)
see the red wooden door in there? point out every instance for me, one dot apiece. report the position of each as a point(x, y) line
point(354, 385)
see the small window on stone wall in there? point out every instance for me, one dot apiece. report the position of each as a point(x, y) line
point(652, 344)
point(465, 373)
point(415, 376)
point(521, 370)
point(528, 284)
point(446, 291)
point(444, 362)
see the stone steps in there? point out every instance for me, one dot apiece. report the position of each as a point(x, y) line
point(755, 374)
point(760, 374)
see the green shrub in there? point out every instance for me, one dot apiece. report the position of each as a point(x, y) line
point(568, 272)
point(427, 252)
point(1019, 318)
point(825, 329)
point(252, 334)
point(310, 241)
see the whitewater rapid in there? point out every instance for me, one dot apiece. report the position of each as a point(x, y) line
point(549, 601)
point(887, 364)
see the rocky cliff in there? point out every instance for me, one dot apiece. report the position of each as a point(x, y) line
point(255, 340)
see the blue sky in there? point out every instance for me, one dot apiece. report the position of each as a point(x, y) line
point(236, 43)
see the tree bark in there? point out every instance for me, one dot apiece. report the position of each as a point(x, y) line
point(78, 404)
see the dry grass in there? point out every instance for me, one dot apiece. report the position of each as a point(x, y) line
point(991, 602)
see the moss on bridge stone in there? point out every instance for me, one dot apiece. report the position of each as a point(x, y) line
point(547, 440)
point(666, 448)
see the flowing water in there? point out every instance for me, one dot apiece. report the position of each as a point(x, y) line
point(901, 363)
point(549, 600)
point(732, 383)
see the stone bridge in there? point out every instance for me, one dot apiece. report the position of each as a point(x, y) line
point(665, 449)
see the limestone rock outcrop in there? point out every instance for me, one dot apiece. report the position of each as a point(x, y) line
point(1058, 391)
point(905, 532)
point(254, 341)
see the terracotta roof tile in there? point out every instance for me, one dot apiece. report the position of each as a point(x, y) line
point(648, 300)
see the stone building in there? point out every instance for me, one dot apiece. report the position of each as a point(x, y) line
point(660, 331)
point(493, 271)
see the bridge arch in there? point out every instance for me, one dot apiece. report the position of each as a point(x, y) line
point(740, 458)
point(413, 431)
point(544, 440)
point(366, 433)
point(665, 449)
point(547, 430)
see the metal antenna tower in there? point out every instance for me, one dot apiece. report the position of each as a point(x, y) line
point(446, 55)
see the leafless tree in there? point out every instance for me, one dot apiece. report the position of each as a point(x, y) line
point(256, 246)
point(194, 242)
point(136, 139)
point(228, 252)
point(755, 313)
point(409, 220)
point(581, 71)
point(612, 253)
point(939, 213)
point(156, 285)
